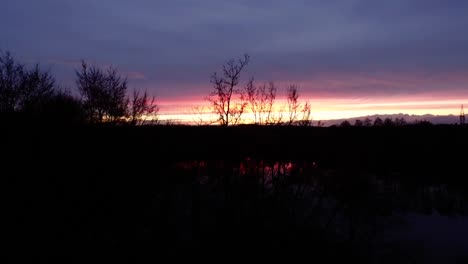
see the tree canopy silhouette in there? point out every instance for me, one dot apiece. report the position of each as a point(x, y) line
point(367, 122)
point(63, 108)
point(358, 123)
point(378, 122)
point(345, 123)
point(388, 122)
point(141, 106)
point(23, 89)
point(229, 102)
point(103, 93)
point(400, 122)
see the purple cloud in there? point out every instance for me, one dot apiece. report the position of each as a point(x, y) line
point(172, 47)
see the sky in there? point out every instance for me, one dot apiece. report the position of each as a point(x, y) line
point(348, 57)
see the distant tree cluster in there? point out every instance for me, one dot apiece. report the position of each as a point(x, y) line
point(229, 101)
point(378, 122)
point(103, 95)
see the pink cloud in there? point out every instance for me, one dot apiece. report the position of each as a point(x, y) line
point(338, 95)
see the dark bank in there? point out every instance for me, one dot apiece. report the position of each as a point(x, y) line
point(335, 193)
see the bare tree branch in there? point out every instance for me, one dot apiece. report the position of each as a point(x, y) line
point(141, 106)
point(229, 111)
point(103, 93)
point(306, 118)
point(293, 103)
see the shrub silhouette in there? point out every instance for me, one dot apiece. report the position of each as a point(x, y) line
point(103, 93)
point(140, 106)
point(22, 89)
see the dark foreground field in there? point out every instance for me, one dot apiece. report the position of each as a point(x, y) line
point(373, 195)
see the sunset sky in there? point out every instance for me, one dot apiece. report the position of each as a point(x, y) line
point(349, 57)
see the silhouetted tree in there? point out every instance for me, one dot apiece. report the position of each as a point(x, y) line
point(260, 101)
point(228, 102)
point(345, 123)
point(358, 123)
point(63, 108)
point(422, 123)
point(251, 93)
point(269, 95)
point(22, 89)
point(141, 106)
point(306, 118)
point(400, 121)
point(367, 122)
point(103, 93)
point(39, 88)
point(293, 103)
point(378, 122)
point(12, 81)
point(388, 122)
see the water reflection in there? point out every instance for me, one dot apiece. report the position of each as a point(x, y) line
point(375, 213)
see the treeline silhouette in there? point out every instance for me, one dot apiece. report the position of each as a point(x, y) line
point(387, 122)
point(31, 94)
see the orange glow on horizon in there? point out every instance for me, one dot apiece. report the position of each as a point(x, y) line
point(346, 95)
point(324, 108)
